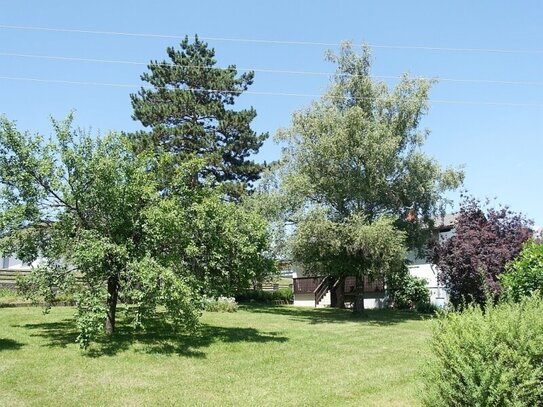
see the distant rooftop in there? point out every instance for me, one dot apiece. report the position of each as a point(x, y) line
point(445, 222)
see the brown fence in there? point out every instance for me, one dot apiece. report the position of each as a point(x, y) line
point(274, 286)
point(370, 285)
point(306, 285)
point(8, 277)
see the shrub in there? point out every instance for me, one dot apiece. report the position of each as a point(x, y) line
point(487, 357)
point(426, 307)
point(524, 275)
point(253, 296)
point(265, 297)
point(407, 291)
point(6, 292)
point(221, 304)
point(284, 294)
point(11, 296)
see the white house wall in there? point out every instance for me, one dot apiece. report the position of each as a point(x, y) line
point(304, 300)
point(438, 294)
point(12, 263)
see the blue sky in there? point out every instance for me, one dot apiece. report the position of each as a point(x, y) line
point(492, 127)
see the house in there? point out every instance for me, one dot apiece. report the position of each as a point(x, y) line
point(315, 291)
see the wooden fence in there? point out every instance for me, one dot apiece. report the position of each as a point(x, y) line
point(8, 277)
point(274, 286)
point(307, 285)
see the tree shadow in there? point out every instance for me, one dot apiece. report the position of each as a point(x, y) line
point(381, 317)
point(59, 334)
point(9, 344)
point(157, 338)
point(191, 345)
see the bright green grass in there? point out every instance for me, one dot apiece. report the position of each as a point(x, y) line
point(259, 356)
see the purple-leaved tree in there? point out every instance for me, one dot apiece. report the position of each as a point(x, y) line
point(485, 239)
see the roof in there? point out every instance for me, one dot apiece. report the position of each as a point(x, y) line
point(445, 222)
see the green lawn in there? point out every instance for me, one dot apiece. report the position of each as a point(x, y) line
point(259, 356)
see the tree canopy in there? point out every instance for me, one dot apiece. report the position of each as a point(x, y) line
point(188, 109)
point(353, 172)
point(523, 276)
point(484, 241)
point(93, 211)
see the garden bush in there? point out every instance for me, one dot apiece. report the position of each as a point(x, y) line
point(524, 275)
point(490, 356)
point(221, 304)
point(284, 294)
point(426, 307)
point(408, 292)
point(266, 297)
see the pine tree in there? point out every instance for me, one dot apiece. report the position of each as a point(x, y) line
point(188, 109)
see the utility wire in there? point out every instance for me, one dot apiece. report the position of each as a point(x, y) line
point(60, 81)
point(262, 93)
point(268, 70)
point(279, 42)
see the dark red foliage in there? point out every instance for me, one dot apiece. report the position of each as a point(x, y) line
point(483, 242)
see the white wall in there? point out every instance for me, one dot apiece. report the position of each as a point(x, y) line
point(438, 294)
point(370, 300)
point(373, 301)
point(304, 300)
point(12, 263)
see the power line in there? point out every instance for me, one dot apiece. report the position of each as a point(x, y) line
point(75, 59)
point(61, 81)
point(262, 93)
point(269, 70)
point(277, 42)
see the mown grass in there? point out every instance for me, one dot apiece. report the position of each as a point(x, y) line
point(260, 355)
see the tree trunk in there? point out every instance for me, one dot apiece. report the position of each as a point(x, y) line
point(112, 290)
point(358, 307)
point(340, 293)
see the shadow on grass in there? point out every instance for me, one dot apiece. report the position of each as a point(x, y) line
point(381, 317)
point(158, 338)
point(9, 344)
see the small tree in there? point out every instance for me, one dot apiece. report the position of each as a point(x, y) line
point(187, 109)
point(483, 243)
point(353, 247)
point(524, 275)
point(93, 210)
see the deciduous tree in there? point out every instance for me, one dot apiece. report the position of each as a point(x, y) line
point(94, 212)
point(354, 172)
point(484, 241)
